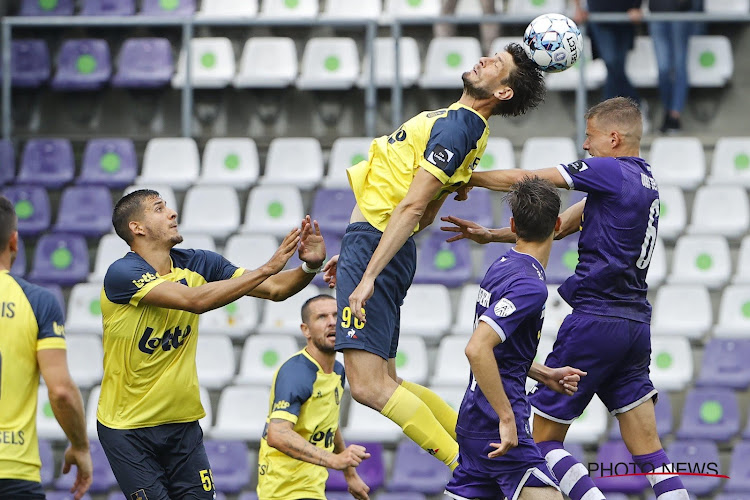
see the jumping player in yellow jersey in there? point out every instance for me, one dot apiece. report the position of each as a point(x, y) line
point(150, 403)
point(32, 341)
point(303, 417)
point(399, 190)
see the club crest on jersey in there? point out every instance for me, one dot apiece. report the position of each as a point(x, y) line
point(504, 307)
point(577, 167)
point(139, 495)
point(440, 156)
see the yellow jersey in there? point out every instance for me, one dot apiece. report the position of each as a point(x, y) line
point(448, 143)
point(150, 375)
point(301, 393)
point(30, 320)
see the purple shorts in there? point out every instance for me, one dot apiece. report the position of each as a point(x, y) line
point(483, 478)
point(615, 352)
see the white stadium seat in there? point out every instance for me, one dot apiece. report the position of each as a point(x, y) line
point(241, 413)
point(46, 423)
point(411, 359)
point(720, 210)
point(90, 407)
point(535, 7)
point(410, 8)
point(671, 363)
point(447, 59)
point(212, 65)
point(345, 152)
point(172, 161)
point(281, 9)
point(346, 9)
point(85, 358)
point(206, 421)
point(262, 355)
point(426, 311)
point(329, 64)
point(228, 8)
point(471, 8)
point(294, 161)
point(283, 317)
point(546, 152)
point(166, 192)
point(273, 210)
point(231, 161)
point(742, 275)
point(591, 425)
point(110, 248)
point(215, 361)
point(595, 73)
point(677, 161)
point(467, 302)
point(555, 311)
point(497, 156)
point(250, 251)
point(212, 210)
point(451, 394)
point(451, 365)
point(237, 319)
point(365, 425)
point(84, 310)
point(197, 241)
point(734, 313)
point(710, 61)
point(657, 269)
point(267, 62)
point(410, 63)
point(727, 6)
point(701, 260)
point(731, 162)
point(640, 63)
point(682, 310)
point(672, 212)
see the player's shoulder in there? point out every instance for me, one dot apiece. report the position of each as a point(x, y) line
point(196, 260)
point(126, 268)
point(298, 367)
point(457, 119)
point(38, 296)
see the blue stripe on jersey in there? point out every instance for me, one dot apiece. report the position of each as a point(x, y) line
point(294, 384)
point(210, 265)
point(49, 315)
point(452, 138)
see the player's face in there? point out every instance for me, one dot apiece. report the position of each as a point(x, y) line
point(321, 326)
point(488, 75)
point(597, 141)
point(160, 222)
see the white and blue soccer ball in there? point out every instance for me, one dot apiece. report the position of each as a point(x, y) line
point(554, 42)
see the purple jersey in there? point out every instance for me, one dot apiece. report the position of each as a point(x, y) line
point(511, 301)
point(617, 239)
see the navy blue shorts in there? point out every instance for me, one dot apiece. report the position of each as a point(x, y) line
point(480, 477)
point(159, 463)
point(616, 353)
point(18, 489)
point(380, 334)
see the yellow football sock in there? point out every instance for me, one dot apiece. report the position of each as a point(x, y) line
point(418, 422)
point(444, 414)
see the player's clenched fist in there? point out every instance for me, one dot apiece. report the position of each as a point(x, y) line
point(352, 456)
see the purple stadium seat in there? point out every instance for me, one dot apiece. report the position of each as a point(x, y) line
point(248, 495)
point(663, 410)
point(491, 252)
point(61, 259)
point(340, 495)
point(108, 8)
point(104, 478)
point(82, 64)
point(697, 454)
point(19, 265)
point(332, 208)
point(32, 208)
point(46, 8)
point(109, 162)
point(48, 462)
point(612, 454)
point(416, 470)
point(650, 496)
point(401, 495)
point(85, 210)
point(733, 496)
point(563, 259)
point(443, 263)
point(47, 162)
point(725, 364)
point(372, 471)
point(168, 7)
point(30, 66)
point(477, 208)
point(710, 413)
point(64, 495)
point(144, 63)
point(739, 470)
point(7, 162)
point(56, 290)
point(229, 464)
point(116, 495)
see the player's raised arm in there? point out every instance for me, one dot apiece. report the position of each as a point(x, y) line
point(502, 180)
point(571, 220)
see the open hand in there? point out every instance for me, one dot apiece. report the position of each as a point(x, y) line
point(329, 271)
point(285, 251)
point(508, 439)
point(466, 229)
point(312, 248)
point(84, 474)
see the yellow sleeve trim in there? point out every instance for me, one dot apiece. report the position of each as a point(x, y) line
point(284, 415)
point(50, 343)
point(239, 272)
point(137, 296)
point(441, 176)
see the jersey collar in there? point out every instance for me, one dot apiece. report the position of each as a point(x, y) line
point(473, 111)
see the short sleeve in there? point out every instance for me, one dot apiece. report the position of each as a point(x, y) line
point(292, 387)
point(452, 138)
point(128, 280)
point(214, 267)
point(593, 175)
point(49, 318)
point(524, 300)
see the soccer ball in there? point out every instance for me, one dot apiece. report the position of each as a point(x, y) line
point(554, 42)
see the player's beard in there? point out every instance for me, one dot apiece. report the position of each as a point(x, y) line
point(323, 345)
point(472, 90)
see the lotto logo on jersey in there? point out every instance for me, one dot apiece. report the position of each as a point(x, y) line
point(504, 307)
point(58, 329)
point(440, 156)
point(281, 405)
point(145, 278)
point(172, 339)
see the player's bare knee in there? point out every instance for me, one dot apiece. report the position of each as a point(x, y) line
point(548, 430)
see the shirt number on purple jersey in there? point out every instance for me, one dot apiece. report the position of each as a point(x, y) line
point(649, 241)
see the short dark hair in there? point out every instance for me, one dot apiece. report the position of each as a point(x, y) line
point(8, 221)
point(129, 207)
point(306, 306)
point(527, 82)
point(620, 110)
point(535, 204)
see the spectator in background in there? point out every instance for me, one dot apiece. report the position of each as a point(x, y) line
point(487, 31)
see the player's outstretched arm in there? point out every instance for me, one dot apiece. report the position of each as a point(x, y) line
point(216, 294)
point(563, 380)
point(571, 218)
point(470, 230)
point(67, 405)
point(355, 485)
point(503, 180)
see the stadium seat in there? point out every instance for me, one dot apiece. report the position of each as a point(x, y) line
point(172, 161)
point(329, 64)
point(400, 495)
point(591, 425)
point(471, 8)
point(273, 210)
point(41, 8)
point(228, 8)
point(206, 421)
point(415, 470)
point(47, 162)
point(563, 259)
point(734, 313)
point(677, 161)
point(91, 405)
point(294, 161)
point(543, 350)
point(30, 63)
point(230, 467)
point(85, 309)
point(212, 64)
point(345, 152)
point(546, 152)
point(710, 61)
point(283, 317)
point(32, 208)
point(657, 269)
point(372, 471)
point(426, 311)
point(7, 162)
point(640, 64)
point(237, 320)
point(56, 291)
point(739, 472)
point(177, 8)
point(731, 162)
point(46, 423)
point(411, 359)
point(231, 161)
point(61, 259)
point(467, 302)
point(385, 63)
point(48, 462)
point(477, 208)
point(610, 455)
point(85, 357)
point(671, 363)
point(82, 64)
point(725, 364)
point(442, 263)
point(144, 63)
point(732, 496)
point(108, 162)
point(262, 355)
point(19, 265)
point(236, 419)
point(595, 73)
point(407, 8)
point(672, 212)
point(451, 364)
point(663, 411)
point(85, 210)
point(64, 495)
point(108, 8)
point(555, 311)
point(712, 204)
point(250, 251)
point(701, 260)
point(710, 413)
point(110, 248)
point(447, 59)
point(280, 9)
point(215, 361)
point(452, 394)
point(364, 423)
point(497, 156)
point(683, 310)
point(248, 495)
point(332, 208)
point(165, 192)
point(212, 210)
point(727, 6)
point(490, 254)
point(742, 274)
point(197, 241)
point(345, 9)
point(535, 7)
point(103, 477)
point(267, 62)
